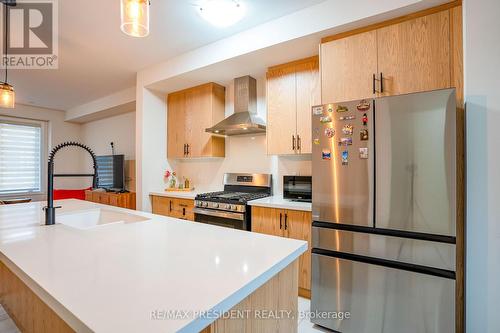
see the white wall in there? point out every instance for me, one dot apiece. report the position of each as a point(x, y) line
point(245, 154)
point(118, 129)
point(68, 160)
point(482, 87)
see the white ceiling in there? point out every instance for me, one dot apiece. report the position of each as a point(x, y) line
point(96, 59)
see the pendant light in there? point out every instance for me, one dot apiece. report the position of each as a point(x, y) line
point(135, 17)
point(7, 93)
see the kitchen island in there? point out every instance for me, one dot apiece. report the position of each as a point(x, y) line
point(139, 272)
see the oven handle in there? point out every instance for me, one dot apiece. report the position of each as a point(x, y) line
point(227, 215)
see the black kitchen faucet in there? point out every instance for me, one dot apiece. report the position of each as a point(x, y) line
point(50, 210)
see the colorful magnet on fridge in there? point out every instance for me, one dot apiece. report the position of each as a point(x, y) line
point(347, 118)
point(317, 110)
point(345, 157)
point(365, 120)
point(326, 154)
point(329, 132)
point(341, 108)
point(363, 135)
point(363, 153)
point(348, 129)
point(325, 120)
point(363, 106)
point(345, 142)
point(316, 141)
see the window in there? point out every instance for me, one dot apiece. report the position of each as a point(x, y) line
point(20, 157)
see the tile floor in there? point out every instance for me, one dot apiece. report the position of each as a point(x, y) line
point(6, 324)
point(305, 326)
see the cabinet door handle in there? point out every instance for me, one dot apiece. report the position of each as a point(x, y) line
point(183, 211)
point(170, 206)
point(381, 83)
point(281, 221)
point(299, 143)
point(187, 151)
point(286, 221)
point(184, 150)
point(374, 84)
point(293, 142)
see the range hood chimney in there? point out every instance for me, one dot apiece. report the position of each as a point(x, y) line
point(244, 120)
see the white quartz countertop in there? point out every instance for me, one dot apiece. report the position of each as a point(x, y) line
point(279, 202)
point(112, 278)
point(178, 194)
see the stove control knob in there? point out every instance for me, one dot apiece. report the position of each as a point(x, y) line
point(204, 204)
point(215, 205)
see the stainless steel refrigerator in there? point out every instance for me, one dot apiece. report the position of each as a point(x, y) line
point(384, 206)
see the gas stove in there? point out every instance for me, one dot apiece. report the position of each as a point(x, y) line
point(229, 208)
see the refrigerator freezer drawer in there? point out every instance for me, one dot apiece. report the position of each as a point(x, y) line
point(380, 299)
point(412, 251)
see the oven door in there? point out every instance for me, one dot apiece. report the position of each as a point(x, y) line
point(221, 218)
point(297, 188)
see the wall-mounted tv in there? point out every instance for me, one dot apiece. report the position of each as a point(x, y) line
point(111, 172)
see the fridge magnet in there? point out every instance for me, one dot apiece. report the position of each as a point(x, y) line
point(347, 118)
point(341, 108)
point(363, 135)
point(345, 157)
point(365, 120)
point(325, 120)
point(326, 154)
point(316, 141)
point(363, 153)
point(363, 106)
point(347, 129)
point(317, 110)
point(345, 142)
point(329, 132)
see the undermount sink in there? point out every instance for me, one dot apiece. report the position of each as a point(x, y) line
point(92, 218)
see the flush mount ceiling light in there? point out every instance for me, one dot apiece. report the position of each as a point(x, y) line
point(135, 17)
point(222, 13)
point(7, 93)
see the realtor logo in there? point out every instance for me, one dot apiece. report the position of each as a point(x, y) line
point(33, 35)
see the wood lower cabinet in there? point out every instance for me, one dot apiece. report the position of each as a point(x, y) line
point(173, 207)
point(123, 200)
point(290, 224)
point(292, 90)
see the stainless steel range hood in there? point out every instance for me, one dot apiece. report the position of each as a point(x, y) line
point(244, 120)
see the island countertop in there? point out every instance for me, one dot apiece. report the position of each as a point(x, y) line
point(113, 278)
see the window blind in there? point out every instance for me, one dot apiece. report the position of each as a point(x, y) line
point(20, 158)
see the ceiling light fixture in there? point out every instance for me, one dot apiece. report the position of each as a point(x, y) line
point(135, 17)
point(7, 93)
point(222, 13)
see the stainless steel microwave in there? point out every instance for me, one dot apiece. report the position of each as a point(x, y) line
point(298, 188)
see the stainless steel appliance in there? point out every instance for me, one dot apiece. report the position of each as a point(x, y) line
point(384, 205)
point(229, 208)
point(297, 188)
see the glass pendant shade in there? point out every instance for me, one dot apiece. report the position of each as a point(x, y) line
point(135, 17)
point(7, 96)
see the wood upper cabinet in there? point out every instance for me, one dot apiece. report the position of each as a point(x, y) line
point(292, 90)
point(189, 113)
point(414, 56)
point(291, 224)
point(347, 67)
point(308, 95)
